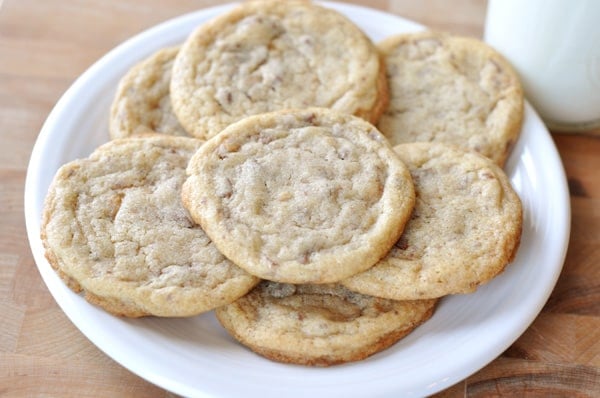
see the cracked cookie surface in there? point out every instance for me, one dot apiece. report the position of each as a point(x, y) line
point(300, 196)
point(319, 325)
point(266, 56)
point(114, 227)
point(142, 103)
point(453, 90)
point(464, 230)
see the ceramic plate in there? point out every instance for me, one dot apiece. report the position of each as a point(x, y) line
point(196, 357)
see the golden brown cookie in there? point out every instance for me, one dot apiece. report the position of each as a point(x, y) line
point(319, 325)
point(300, 196)
point(270, 55)
point(464, 230)
point(142, 103)
point(114, 227)
point(451, 89)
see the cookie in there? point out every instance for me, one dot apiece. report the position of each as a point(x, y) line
point(319, 325)
point(464, 230)
point(453, 90)
point(114, 228)
point(271, 55)
point(300, 196)
point(142, 103)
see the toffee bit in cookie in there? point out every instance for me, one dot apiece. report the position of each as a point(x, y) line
point(304, 259)
point(310, 118)
point(402, 244)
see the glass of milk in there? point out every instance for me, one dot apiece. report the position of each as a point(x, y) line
point(555, 47)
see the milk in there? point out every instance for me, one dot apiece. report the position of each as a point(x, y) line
point(555, 47)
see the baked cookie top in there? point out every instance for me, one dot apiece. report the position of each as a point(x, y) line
point(142, 103)
point(319, 325)
point(464, 230)
point(270, 55)
point(114, 227)
point(300, 196)
point(451, 89)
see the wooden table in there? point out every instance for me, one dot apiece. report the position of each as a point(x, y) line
point(46, 44)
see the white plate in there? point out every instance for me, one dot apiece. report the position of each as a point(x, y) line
point(195, 357)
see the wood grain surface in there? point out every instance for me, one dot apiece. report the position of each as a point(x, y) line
point(46, 44)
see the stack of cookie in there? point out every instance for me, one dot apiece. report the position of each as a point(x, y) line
point(252, 172)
